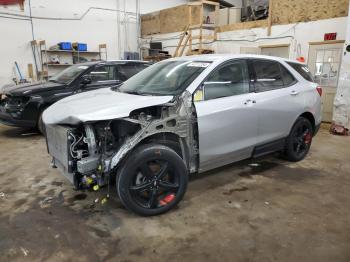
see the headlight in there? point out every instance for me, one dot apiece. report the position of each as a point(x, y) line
point(2, 96)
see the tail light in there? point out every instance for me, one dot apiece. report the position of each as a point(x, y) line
point(319, 90)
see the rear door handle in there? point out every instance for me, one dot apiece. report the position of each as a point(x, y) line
point(294, 93)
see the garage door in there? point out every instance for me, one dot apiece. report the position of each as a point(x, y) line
point(279, 51)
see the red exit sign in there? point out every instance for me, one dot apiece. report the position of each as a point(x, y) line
point(330, 36)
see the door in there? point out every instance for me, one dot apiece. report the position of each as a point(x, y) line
point(102, 76)
point(324, 63)
point(279, 51)
point(227, 121)
point(278, 100)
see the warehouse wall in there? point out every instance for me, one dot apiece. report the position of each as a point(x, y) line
point(296, 35)
point(97, 26)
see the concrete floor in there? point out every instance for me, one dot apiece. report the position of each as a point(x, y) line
point(278, 211)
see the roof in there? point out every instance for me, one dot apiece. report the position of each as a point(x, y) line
point(223, 57)
point(111, 62)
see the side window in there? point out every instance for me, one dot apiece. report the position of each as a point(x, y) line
point(103, 73)
point(229, 80)
point(288, 78)
point(128, 70)
point(303, 70)
point(268, 75)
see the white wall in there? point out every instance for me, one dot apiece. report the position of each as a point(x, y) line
point(97, 26)
point(297, 36)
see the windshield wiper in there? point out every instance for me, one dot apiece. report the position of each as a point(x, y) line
point(133, 93)
point(55, 81)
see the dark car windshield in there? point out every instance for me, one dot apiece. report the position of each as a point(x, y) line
point(164, 78)
point(69, 74)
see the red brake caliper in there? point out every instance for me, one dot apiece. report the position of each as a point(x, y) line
point(307, 138)
point(167, 199)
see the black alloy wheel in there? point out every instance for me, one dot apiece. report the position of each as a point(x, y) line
point(299, 140)
point(152, 180)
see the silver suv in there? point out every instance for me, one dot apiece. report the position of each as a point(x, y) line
point(182, 116)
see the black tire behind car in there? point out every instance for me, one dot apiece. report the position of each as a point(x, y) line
point(152, 180)
point(40, 123)
point(299, 140)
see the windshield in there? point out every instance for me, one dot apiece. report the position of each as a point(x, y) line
point(164, 78)
point(69, 74)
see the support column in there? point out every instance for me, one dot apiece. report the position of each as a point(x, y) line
point(341, 115)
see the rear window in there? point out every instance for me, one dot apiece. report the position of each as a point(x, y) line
point(128, 70)
point(303, 70)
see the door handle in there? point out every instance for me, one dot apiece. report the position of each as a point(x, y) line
point(294, 93)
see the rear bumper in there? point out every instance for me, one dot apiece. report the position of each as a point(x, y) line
point(8, 120)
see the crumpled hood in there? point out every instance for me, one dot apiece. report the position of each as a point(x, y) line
point(101, 104)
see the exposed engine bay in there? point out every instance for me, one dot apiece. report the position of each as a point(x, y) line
point(89, 153)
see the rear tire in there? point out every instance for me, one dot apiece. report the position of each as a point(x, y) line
point(299, 140)
point(152, 180)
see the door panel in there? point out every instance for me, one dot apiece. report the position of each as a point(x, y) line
point(324, 62)
point(227, 130)
point(227, 121)
point(277, 111)
point(278, 100)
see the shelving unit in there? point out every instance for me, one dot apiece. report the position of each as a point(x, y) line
point(188, 36)
point(66, 58)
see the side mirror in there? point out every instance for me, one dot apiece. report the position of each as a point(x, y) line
point(85, 80)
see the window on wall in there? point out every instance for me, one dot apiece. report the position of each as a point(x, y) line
point(327, 66)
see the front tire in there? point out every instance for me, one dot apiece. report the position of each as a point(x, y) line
point(40, 124)
point(299, 140)
point(152, 180)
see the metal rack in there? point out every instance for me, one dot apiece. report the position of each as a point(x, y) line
point(45, 68)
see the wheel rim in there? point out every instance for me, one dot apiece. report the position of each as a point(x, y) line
point(302, 138)
point(155, 184)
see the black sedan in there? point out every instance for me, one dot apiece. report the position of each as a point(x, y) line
point(22, 105)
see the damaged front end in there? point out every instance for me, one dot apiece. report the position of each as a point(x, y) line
point(90, 153)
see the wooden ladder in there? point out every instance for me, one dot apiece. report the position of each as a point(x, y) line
point(189, 35)
point(184, 39)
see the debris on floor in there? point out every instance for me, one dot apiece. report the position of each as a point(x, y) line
point(338, 130)
point(24, 251)
point(46, 202)
point(2, 195)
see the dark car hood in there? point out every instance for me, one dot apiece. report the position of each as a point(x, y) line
point(30, 89)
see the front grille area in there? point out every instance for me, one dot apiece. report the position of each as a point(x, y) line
point(58, 146)
point(13, 103)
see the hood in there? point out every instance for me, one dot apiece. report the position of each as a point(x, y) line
point(29, 89)
point(101, 104)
